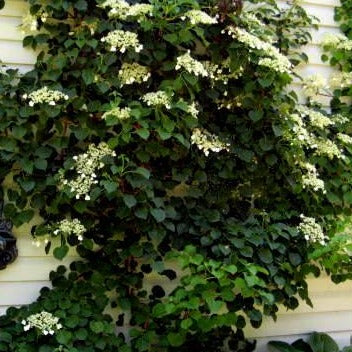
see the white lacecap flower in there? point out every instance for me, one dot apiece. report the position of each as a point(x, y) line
point(122, 40)
point(122, 10)
point(86, 165)
point(158, 98)
point(199, 17)
point(271, 56)
point(69, 227)
point(120, 114)
point(340, 80)
point(311, 230)
point(45, 322)
point(206, 142)
point(133, 73)
point(191, 65)
point(314, 85)
point(45, 96)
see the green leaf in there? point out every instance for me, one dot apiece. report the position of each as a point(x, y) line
point(110, 186)
point(143, 172)
point(81, 5)
point(215, 306)
point(5, 337)
point(63, 337)
point(158, 214)
point(176, 339)
point(322, 343)
point(186, 323)
point(282, 347)
point(256, 115)
point(130, 200)
point(143, 133)
point(265, 255)
point(60, 252)
point(41, 164)
point(96, 326)
point(88, 76)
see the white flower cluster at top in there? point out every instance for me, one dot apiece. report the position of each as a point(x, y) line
point(344, 138)
point(207, 142)
point(122, 10)
point(199, 17)
point(317, 119)
point(337, 40)
point(45, 322)
point(340, 80)
point(159, 98)
point(272, 59)
point(118, 113)
point(311, 230)
point(86, 166)
point(45, 95)
point(191, 65)
point(310, 179)
point(70, 227)
point(30, 22)
point(314, 85)
point(133, 73)
point(122, 40)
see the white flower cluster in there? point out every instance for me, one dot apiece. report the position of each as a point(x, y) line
point(122, 10)
point(251, 19)
point(207, 142)
point(311, 179)
point(340, 80)
point(301, 133)
point(311, 230)
point(222, 72)
point(272, 59)
point(158, 98)
point(328, 148)
point(344, 138)
point(317, 119)
point(133, 73)
point(338, 41)
point(86, 166)
point(45, 95)
point(191, 65)
point(122, 40)
point(199, 17)
point(279, 63)
point(340, 119)
point(30, 22)
point(70, 227)
point(38, 241)
point(119, 113)
point(314, 85)
point(45, 322)
point(192, 110)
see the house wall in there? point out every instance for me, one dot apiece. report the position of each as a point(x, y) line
point(21, 281)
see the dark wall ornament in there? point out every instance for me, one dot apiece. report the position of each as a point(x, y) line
point(8, 249)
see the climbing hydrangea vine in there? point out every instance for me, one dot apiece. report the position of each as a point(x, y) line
point(161, 140)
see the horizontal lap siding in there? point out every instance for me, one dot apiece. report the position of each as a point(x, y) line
point(20, 283)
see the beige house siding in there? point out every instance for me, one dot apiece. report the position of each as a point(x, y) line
point(21, 282)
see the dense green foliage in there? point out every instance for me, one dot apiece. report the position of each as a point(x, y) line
point(198, 189)
point(317, 342)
